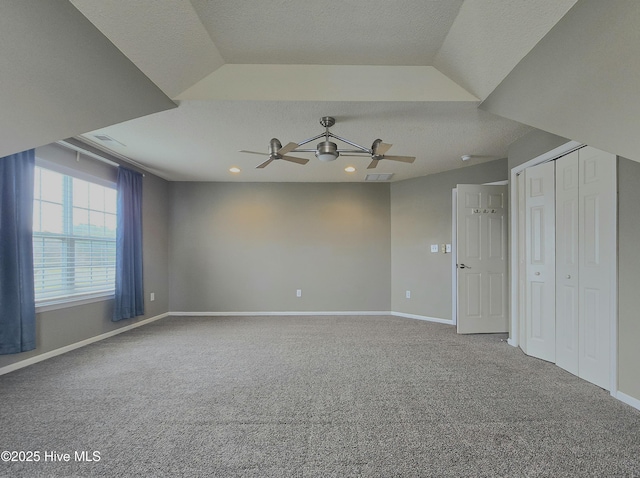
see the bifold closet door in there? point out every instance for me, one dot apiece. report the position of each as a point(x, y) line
point(585, 261)
point(540, 288)
point(567, 256)
point(597, 258)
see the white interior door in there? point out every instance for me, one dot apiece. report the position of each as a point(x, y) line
point(597, 256)
point(540, 322)
point(482, 259)
point(567, 257)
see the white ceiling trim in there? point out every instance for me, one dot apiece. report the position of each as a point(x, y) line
point(327, 83)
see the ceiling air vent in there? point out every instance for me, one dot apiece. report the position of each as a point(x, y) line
point(378, 177)
point(107, 139)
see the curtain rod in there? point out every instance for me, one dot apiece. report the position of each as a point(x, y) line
point(79, 149)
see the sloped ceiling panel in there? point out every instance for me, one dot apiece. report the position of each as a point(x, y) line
point(61, 77)
point(490, 37)
point(582, 79)
point(165, 39)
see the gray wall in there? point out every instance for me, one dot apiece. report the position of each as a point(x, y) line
point(628, 278)
point(247, 247)
point(62, 327)
point(420, 216)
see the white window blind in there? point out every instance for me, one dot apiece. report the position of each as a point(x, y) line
point(74, 233)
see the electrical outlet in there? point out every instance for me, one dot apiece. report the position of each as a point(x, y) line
point(434, 247)
point(407, 294)
point(152, 296)
point(299, 293)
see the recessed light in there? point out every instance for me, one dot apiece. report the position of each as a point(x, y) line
point(234, 170)
point(466, 157)
point(350, 169)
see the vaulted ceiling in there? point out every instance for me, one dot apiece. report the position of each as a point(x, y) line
point(411, 72)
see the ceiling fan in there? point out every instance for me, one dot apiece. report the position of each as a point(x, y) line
point(328, 150)
point(378, 150)
point(277, 151)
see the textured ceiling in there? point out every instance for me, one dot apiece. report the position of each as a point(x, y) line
point(225, 45)
point(328, 32)
point(490, 37)
point(211, 133)
point(165, 39)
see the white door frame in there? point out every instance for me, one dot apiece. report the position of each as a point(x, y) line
point(454, 257)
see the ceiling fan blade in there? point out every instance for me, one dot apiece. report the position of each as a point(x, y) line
point(287, 148)
point(293, 159)
point(373, 164)
point(265, 164)
point(381, 149)
point(363, 155)
point(404, 159)
point(253, 152)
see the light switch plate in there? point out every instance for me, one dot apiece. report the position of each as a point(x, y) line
point(448, 249)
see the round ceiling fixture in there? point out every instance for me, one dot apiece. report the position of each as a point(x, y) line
point(327, 151)
point(350, 169)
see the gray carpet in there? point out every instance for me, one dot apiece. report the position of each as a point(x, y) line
point(311, 396)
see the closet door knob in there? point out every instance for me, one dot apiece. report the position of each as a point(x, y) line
point(568, 276)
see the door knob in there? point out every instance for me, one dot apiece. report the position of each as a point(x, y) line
point(537, 273)
point(568, 276)
point(462, 266)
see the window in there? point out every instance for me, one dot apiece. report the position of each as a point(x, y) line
point(74, 234)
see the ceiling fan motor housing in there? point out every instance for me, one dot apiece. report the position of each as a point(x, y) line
point(274, 146)
point(327, 151)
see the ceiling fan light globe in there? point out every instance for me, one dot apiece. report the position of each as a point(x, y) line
point(327, 156)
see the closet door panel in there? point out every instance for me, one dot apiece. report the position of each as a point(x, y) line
point(567, 276)
point(540, 321)
point(597, 239)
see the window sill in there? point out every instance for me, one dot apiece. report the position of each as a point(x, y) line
point(63, 303)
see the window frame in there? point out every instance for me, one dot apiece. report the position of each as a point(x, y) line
point(71, 300)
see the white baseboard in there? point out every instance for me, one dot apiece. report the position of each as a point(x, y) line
point(77, 345)
point(423, 317)
point(629, 400)
point(349, 312)
point(263, 313)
